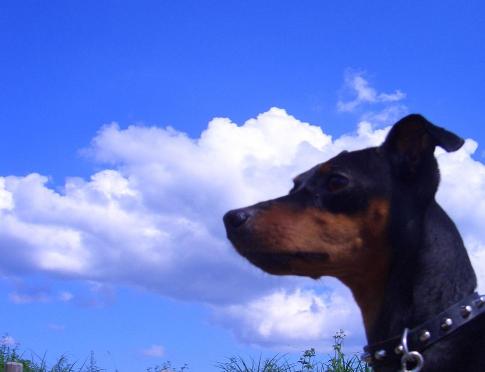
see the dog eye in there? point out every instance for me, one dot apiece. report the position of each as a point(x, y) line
point(336, 182)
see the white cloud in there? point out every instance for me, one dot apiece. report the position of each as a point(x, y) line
point(38, 295)
point(462, 194)
point(294, 320)
point(27, 298)
point(462, 190)
point(6, 200)
point(7, 341)
point(363, 93)
point(65, 296)
point(387, 116)
point(152, 219)
point(154, 351)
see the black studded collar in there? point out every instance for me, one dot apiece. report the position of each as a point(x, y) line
point(427, 333)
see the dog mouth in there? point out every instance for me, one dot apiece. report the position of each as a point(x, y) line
point(266, 255)
point(284, 257)
point(282, 263)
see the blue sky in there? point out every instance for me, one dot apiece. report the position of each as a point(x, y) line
point(69, 68)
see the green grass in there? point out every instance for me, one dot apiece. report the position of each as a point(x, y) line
point(309, 361)
point(36, 363)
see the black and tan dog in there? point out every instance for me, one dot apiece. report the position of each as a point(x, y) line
point(370, 219)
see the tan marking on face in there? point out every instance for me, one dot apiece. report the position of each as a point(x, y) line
point(357, 246)
point(325, 167)
point(345, 238)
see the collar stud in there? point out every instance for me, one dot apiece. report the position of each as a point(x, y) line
point(446, 324)
point(465, 311)
point(380, 354)
point(424, 336)
point(479, 302)
point(399, 350)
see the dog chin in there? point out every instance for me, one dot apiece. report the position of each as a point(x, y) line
point(283, 263)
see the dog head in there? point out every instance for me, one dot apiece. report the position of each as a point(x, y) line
point(336, 220)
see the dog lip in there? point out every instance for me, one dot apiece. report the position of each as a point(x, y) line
point(310, 256)
point(285, 257)
point(282, 263)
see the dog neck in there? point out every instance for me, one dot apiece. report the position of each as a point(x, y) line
point(429, 271)
point(368, 285)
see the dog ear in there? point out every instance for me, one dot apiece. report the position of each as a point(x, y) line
point(411, 142)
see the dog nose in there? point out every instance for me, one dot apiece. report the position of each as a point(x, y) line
point(236, 218)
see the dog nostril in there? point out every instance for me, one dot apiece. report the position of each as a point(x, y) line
point(235, 218)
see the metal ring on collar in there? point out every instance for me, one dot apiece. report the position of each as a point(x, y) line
point(412, 357)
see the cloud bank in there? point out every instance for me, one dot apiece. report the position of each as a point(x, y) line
point(152, 218)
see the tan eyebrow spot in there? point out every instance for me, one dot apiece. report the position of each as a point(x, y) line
point(325, 167)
